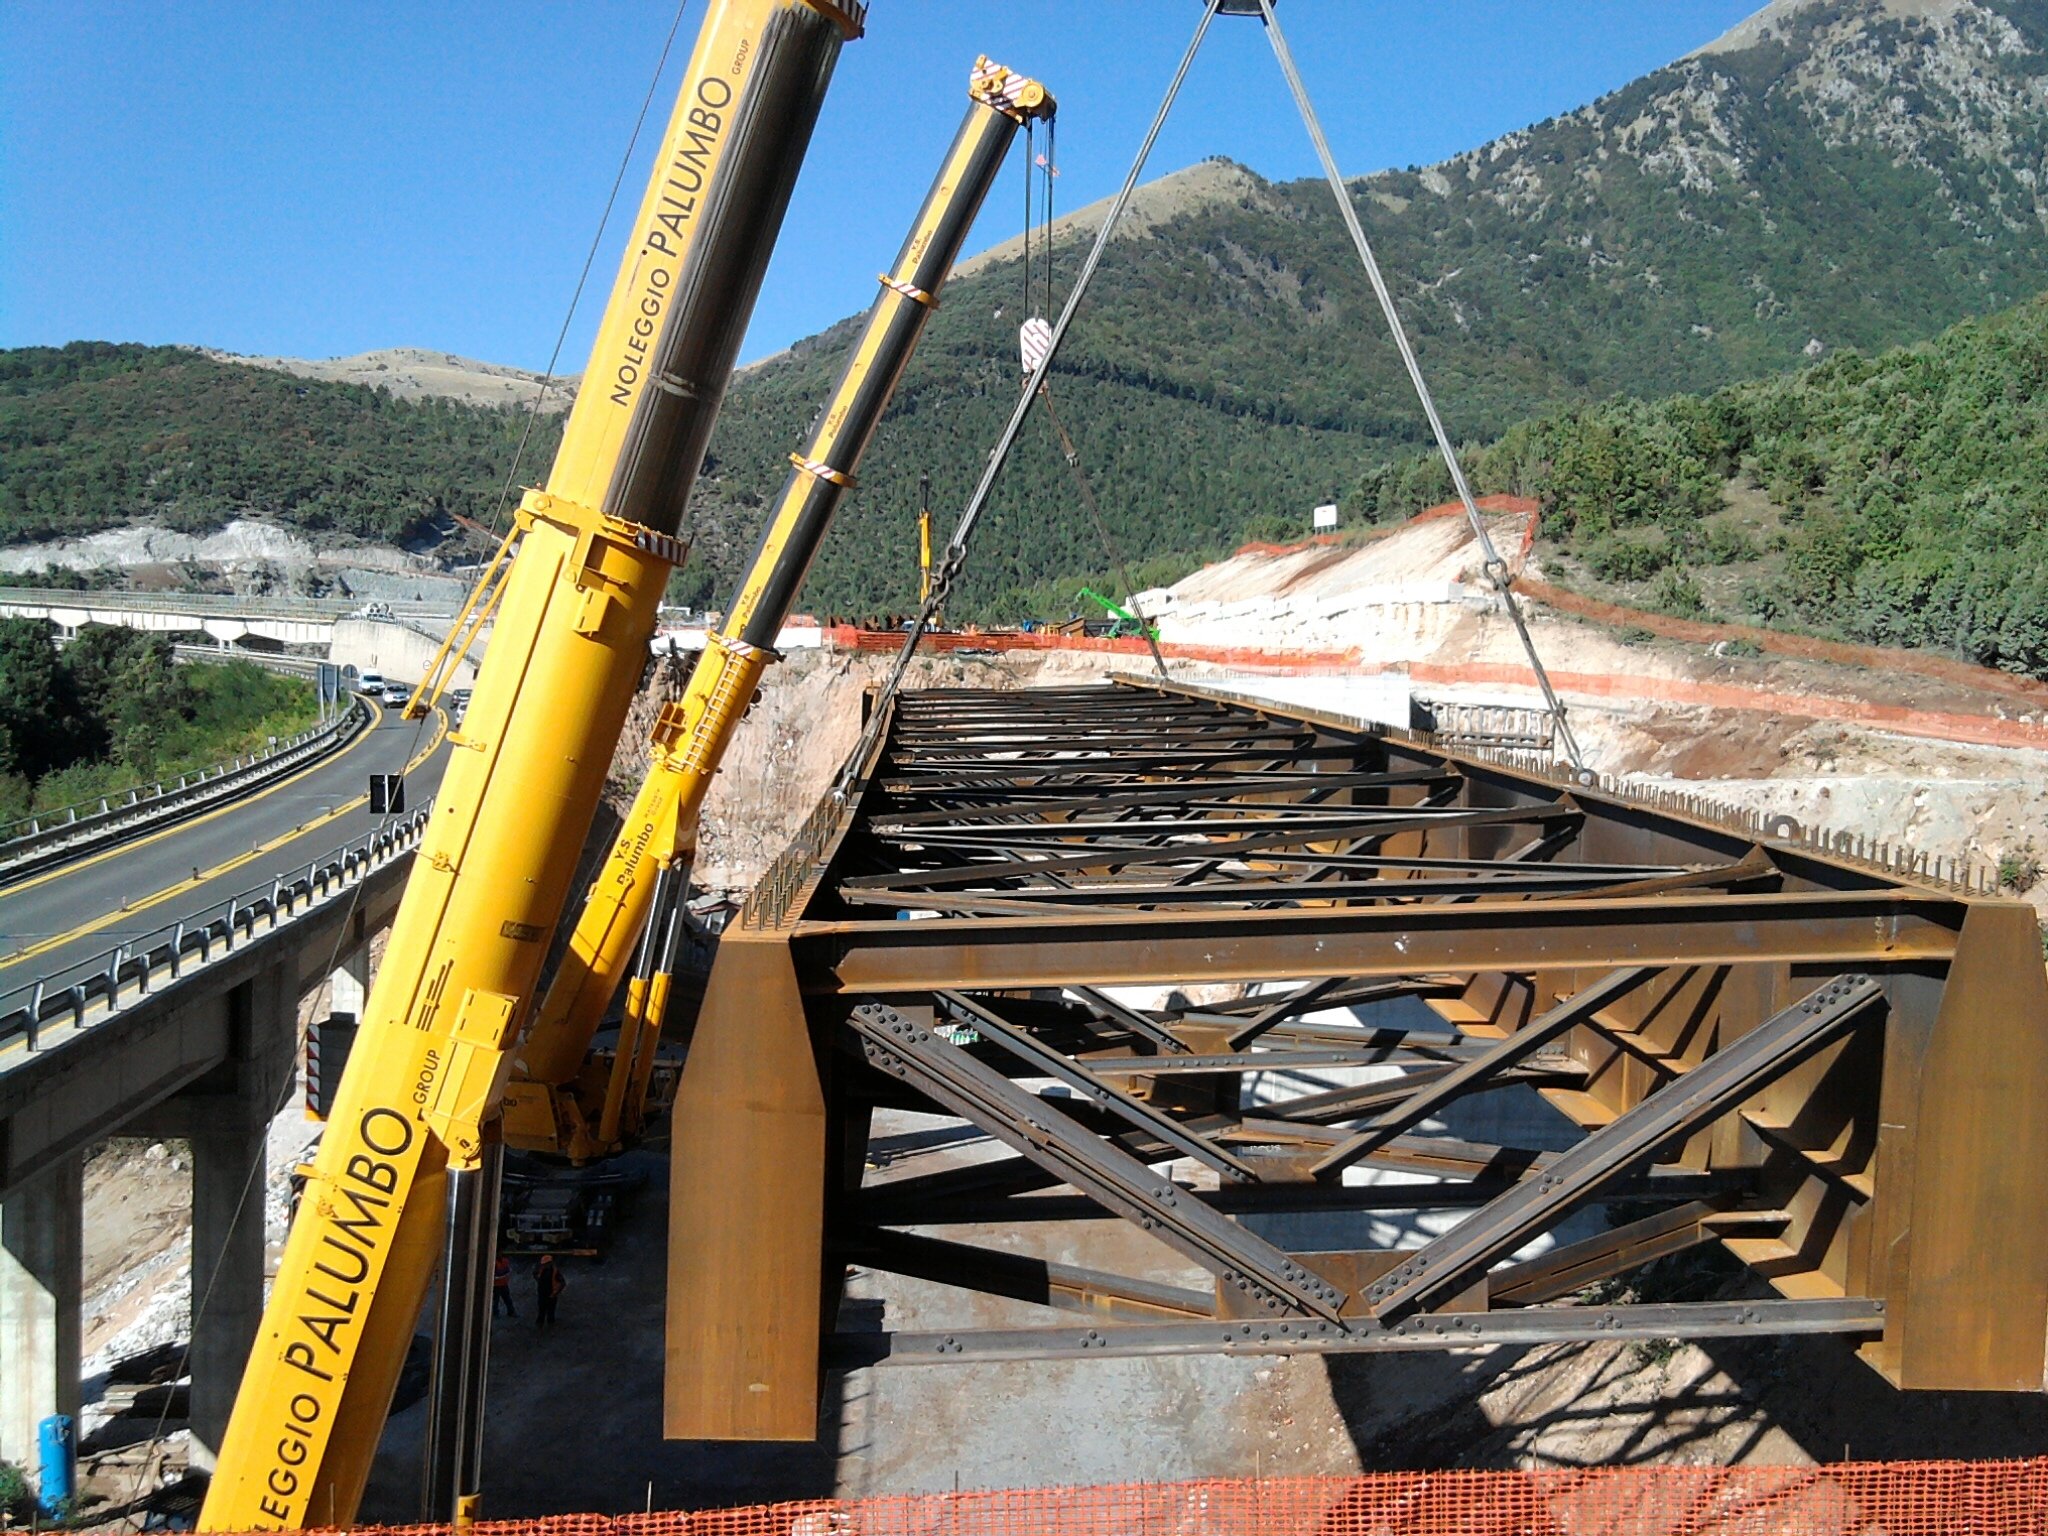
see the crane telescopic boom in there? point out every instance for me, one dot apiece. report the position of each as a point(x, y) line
point(690, 737)
point(488, 885)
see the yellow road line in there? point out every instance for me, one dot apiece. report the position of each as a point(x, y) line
point(107, 921)
point(239, 803)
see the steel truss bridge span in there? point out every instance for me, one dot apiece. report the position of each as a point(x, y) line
point(1195, 964)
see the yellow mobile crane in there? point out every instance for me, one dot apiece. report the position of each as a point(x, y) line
point(405, 1172)
point(554, 1103)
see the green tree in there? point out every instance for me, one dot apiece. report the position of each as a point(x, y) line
point(38, 728)
point(131, 692)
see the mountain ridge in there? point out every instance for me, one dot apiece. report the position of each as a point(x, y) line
point(1841, 175)
point(1831, 41)
point(1849, 174)
point(415, 373)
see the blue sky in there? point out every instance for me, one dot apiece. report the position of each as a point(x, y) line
point(318, 180)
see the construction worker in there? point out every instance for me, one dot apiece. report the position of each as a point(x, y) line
point(548, 1284)
point(501, 1288)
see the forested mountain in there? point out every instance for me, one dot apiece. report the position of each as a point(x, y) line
point(1900, 499)
point(95, 435)
point(1833, 175)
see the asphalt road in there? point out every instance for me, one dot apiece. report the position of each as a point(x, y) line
point(56, 922)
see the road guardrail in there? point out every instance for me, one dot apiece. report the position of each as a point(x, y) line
point(288, 666)
point(221, 605)
point(33, 843)
point(92, 991)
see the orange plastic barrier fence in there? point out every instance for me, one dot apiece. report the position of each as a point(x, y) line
point(1942, 669)
point(1996, 729)
point(1900, 1498)
point(846, 637)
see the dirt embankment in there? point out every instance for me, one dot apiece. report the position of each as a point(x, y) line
point(1949, 758)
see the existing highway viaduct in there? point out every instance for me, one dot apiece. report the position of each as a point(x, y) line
point(208, 1056)
point(398, 640)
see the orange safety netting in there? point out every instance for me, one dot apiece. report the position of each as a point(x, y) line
point(1899, 1498)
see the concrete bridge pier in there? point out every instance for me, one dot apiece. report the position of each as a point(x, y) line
point(42, 1248)
point(349, 983)
point(226, 1116)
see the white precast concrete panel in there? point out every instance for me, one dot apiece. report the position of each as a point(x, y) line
point(1380, 697)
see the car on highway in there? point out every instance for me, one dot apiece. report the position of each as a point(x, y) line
point(397, 695)
point(370, 684)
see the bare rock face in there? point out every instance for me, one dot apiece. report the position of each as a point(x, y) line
point(1956, 89)
point(414, 373)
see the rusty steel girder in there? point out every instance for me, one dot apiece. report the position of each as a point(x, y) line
point(1205, 964)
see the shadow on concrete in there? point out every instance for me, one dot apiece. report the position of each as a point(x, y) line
point(573, 1422)
point(1719, 1402)
point(1837, 1408)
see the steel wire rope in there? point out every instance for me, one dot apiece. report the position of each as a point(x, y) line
point(1052, 125)
point(1026, 315)
point(1068, 451)
point(1116, 556)
point(963, 532)
point(1496, 568)
point(301, 1032)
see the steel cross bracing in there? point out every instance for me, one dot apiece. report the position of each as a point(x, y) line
point(1241, 976)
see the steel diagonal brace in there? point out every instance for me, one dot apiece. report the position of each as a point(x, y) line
point(1213, 853)
point(1160, 795)
point(1112, 1177)
point(1298, 1001)
point(1024, 1277)
point(1723, 1080)
point(1442, 798)
point(976, 1208)
point(1524, 1042)
point(1028, 1048)
point(1574, 1266)
point(1103, 1006)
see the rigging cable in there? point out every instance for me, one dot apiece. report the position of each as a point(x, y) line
point(1109, 548)
point(1051, 170)
point(977, 502)
point(1067, 449)
point(1497, 572)
point(1026, 313)
point(625, 160)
